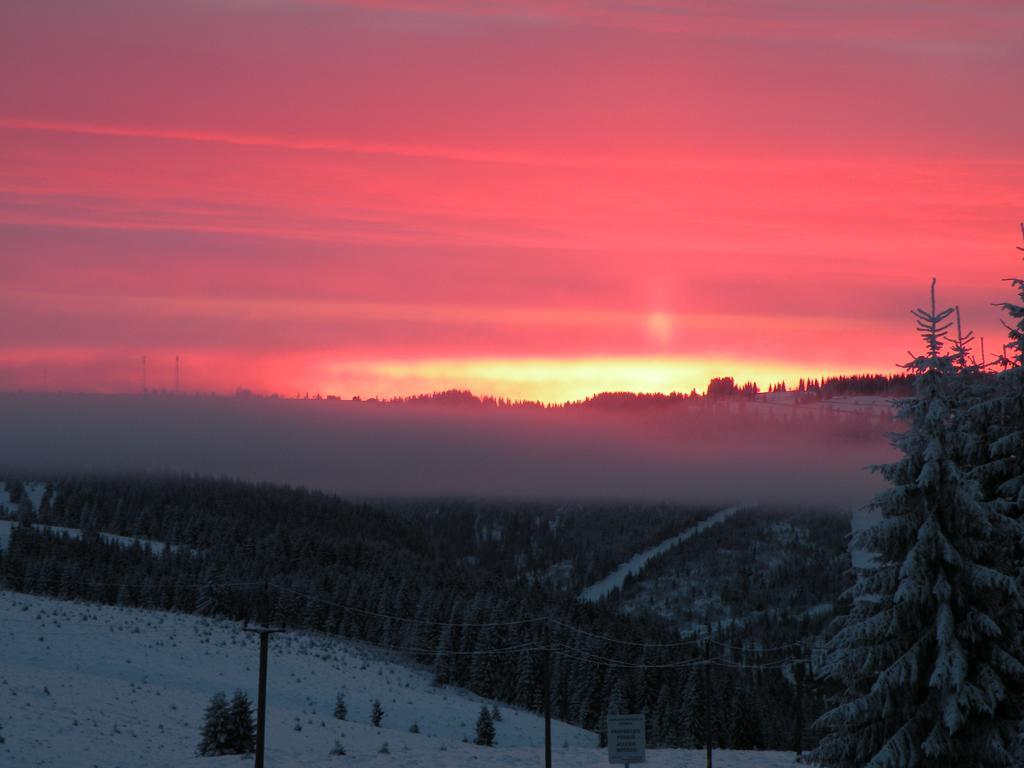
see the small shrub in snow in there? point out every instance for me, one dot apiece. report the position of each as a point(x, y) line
point(384, 750)
point(414, 728)
point(377, 713)
point(338, 749)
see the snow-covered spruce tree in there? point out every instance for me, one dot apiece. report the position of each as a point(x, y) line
point(216, 727)
point(376, 713)
point(928, 654)
point(484, 728)
point(241, 728)
point(340, 710)
point(1002, 476)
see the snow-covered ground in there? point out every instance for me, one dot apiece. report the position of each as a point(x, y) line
point(156, 546)
point(635, 564)
point(34, 491)
point(90, 685)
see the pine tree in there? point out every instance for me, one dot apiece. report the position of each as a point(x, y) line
point(527, 685)
point(216, 727)
point(340, 710)
point(694, 698)
point(444, 659)
point(377, 713)
point(241, 737)
point(484, 728)
point(1016, 313)
point(1003, 475)
point(26, 514)
point(928, 651)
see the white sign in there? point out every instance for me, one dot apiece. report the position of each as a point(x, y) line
point(626, 741)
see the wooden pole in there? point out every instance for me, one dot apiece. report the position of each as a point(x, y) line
point(261, 711)
point(799, 673)
point(547, 697)
point(261, 702)
point(707, 701)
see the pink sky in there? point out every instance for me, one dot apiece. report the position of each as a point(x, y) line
point(537, 199)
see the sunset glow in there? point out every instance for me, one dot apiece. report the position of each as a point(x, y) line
point(529, 199)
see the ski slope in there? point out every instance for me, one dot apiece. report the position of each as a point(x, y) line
point(157, 547)
point(86, 685)
point(635, 564)
point(34, 491)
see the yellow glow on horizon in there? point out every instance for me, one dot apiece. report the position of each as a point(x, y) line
point(552, 380)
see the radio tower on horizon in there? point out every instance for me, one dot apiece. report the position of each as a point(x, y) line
point(144, 387)
point(177, 375)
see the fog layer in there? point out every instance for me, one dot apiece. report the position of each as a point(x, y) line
point(698, 454)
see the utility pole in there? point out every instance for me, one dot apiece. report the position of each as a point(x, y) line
point(261, 707)
point(707, 699)
point(547, 696)
point(798, 672)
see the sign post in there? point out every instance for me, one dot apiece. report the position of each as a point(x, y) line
point(626, 740)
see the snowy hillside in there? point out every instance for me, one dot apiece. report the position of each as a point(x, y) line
point(90, 685)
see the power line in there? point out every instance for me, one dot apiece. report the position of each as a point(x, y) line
point(679, 643)
point(74, 581)
point(564, 650)
point(632, 643)
point(391, 617)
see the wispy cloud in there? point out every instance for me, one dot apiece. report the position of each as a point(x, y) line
point(454, 153)
point(831, 20)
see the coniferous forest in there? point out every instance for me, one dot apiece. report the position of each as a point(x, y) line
point(438, 582)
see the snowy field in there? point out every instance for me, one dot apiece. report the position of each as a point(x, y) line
point(89, 685)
